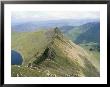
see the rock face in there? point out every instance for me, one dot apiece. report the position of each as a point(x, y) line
point(49, 53)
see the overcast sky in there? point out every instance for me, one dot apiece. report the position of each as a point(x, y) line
point(52, 15)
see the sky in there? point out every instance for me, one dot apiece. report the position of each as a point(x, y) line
point(24, 16)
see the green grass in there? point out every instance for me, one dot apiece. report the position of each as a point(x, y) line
point(95, 55)
point(75, 32)
point(33, 45)
point(29, 44)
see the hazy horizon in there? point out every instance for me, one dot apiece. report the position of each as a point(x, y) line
point(28, 16)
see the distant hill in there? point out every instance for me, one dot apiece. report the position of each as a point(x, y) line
point(92, 34)
point(50, 53)
point(89, 32)
point(34, 25)
point(66, 29)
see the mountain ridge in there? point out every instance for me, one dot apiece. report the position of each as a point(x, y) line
point(57, 53)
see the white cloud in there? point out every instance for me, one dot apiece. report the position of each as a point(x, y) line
point(74, 15)
point(53, 15)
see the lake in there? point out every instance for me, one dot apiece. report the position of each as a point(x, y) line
point(16, 58)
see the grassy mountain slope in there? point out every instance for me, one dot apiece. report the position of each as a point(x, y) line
point(28, 43)
point(89, 32)
point(50, 53)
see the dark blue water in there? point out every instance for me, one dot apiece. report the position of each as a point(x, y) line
point(16, 58)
